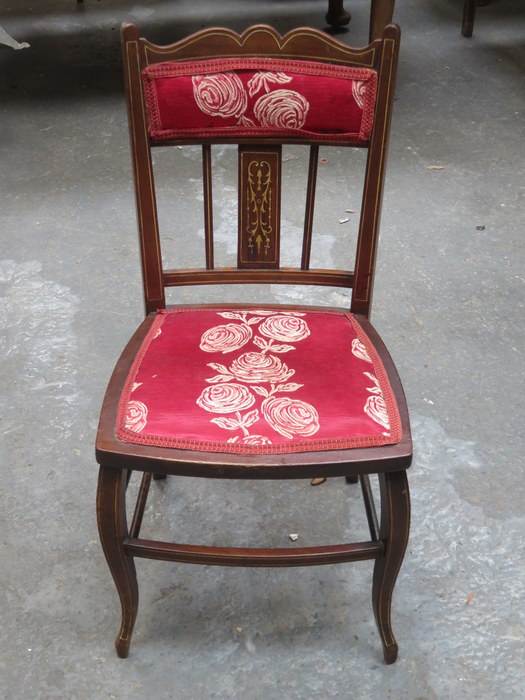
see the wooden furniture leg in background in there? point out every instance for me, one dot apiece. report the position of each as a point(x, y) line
point(337, 16)
point(381, 12)
point(469, 13)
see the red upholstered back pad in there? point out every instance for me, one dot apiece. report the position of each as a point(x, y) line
point(253, 97)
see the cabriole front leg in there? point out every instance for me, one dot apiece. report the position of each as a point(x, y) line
point(394, 528)
point(113, 529)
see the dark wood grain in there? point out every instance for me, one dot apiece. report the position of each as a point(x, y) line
point(283, 275)
point(252, 556)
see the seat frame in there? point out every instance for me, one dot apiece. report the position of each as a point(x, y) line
point(121, 541)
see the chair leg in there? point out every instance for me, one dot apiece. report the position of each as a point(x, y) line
point(337, 16)
point(112, 526)
point(394, 527)
point(469, 14)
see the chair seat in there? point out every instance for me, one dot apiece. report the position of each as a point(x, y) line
point(257, 381)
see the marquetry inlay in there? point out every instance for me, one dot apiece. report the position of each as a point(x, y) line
point(259, 206)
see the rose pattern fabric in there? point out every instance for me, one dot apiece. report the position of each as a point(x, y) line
point(375, 408)
point(256, 368)
point(331, 390)
point(359, 350)
point(226, 398)
point(220, 95)
point(227, 395)
point(285, 109)
point(359, 91)
point(251, 440)
point(287, 328)
point(290, 417)
point(136, 416)
point(223, 95)
point(227, 338)
point(376, 389)
point(262, 79)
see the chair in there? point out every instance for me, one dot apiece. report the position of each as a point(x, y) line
point(240, 391)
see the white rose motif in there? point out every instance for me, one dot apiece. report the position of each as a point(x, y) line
point(290, 417)
point(359, 92)
point(251, 440)
point(255, 368)
point(287, 328)
point(136, 416)
point(226, 398)
point(227, 338)
point(375, 408)
point(359, 350)
point(285, 109)
point(220, 95)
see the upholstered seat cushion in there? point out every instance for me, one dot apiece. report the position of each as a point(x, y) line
point(257, 381)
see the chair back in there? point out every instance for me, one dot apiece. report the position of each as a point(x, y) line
point(260, 91)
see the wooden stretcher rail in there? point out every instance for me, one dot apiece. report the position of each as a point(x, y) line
point(241, 556)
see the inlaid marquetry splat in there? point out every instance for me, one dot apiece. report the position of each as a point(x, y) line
point(259, 206)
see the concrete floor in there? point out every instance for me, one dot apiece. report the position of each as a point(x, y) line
point(449, 303)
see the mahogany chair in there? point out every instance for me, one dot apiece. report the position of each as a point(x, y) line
point(240, 391)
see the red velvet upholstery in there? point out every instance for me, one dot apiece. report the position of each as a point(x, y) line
point(254, 97)
point(258, 382)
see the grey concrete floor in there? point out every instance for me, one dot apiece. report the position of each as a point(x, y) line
point(449, 303)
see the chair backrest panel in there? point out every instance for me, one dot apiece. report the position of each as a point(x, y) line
point(259, 98)
point(259, 90)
